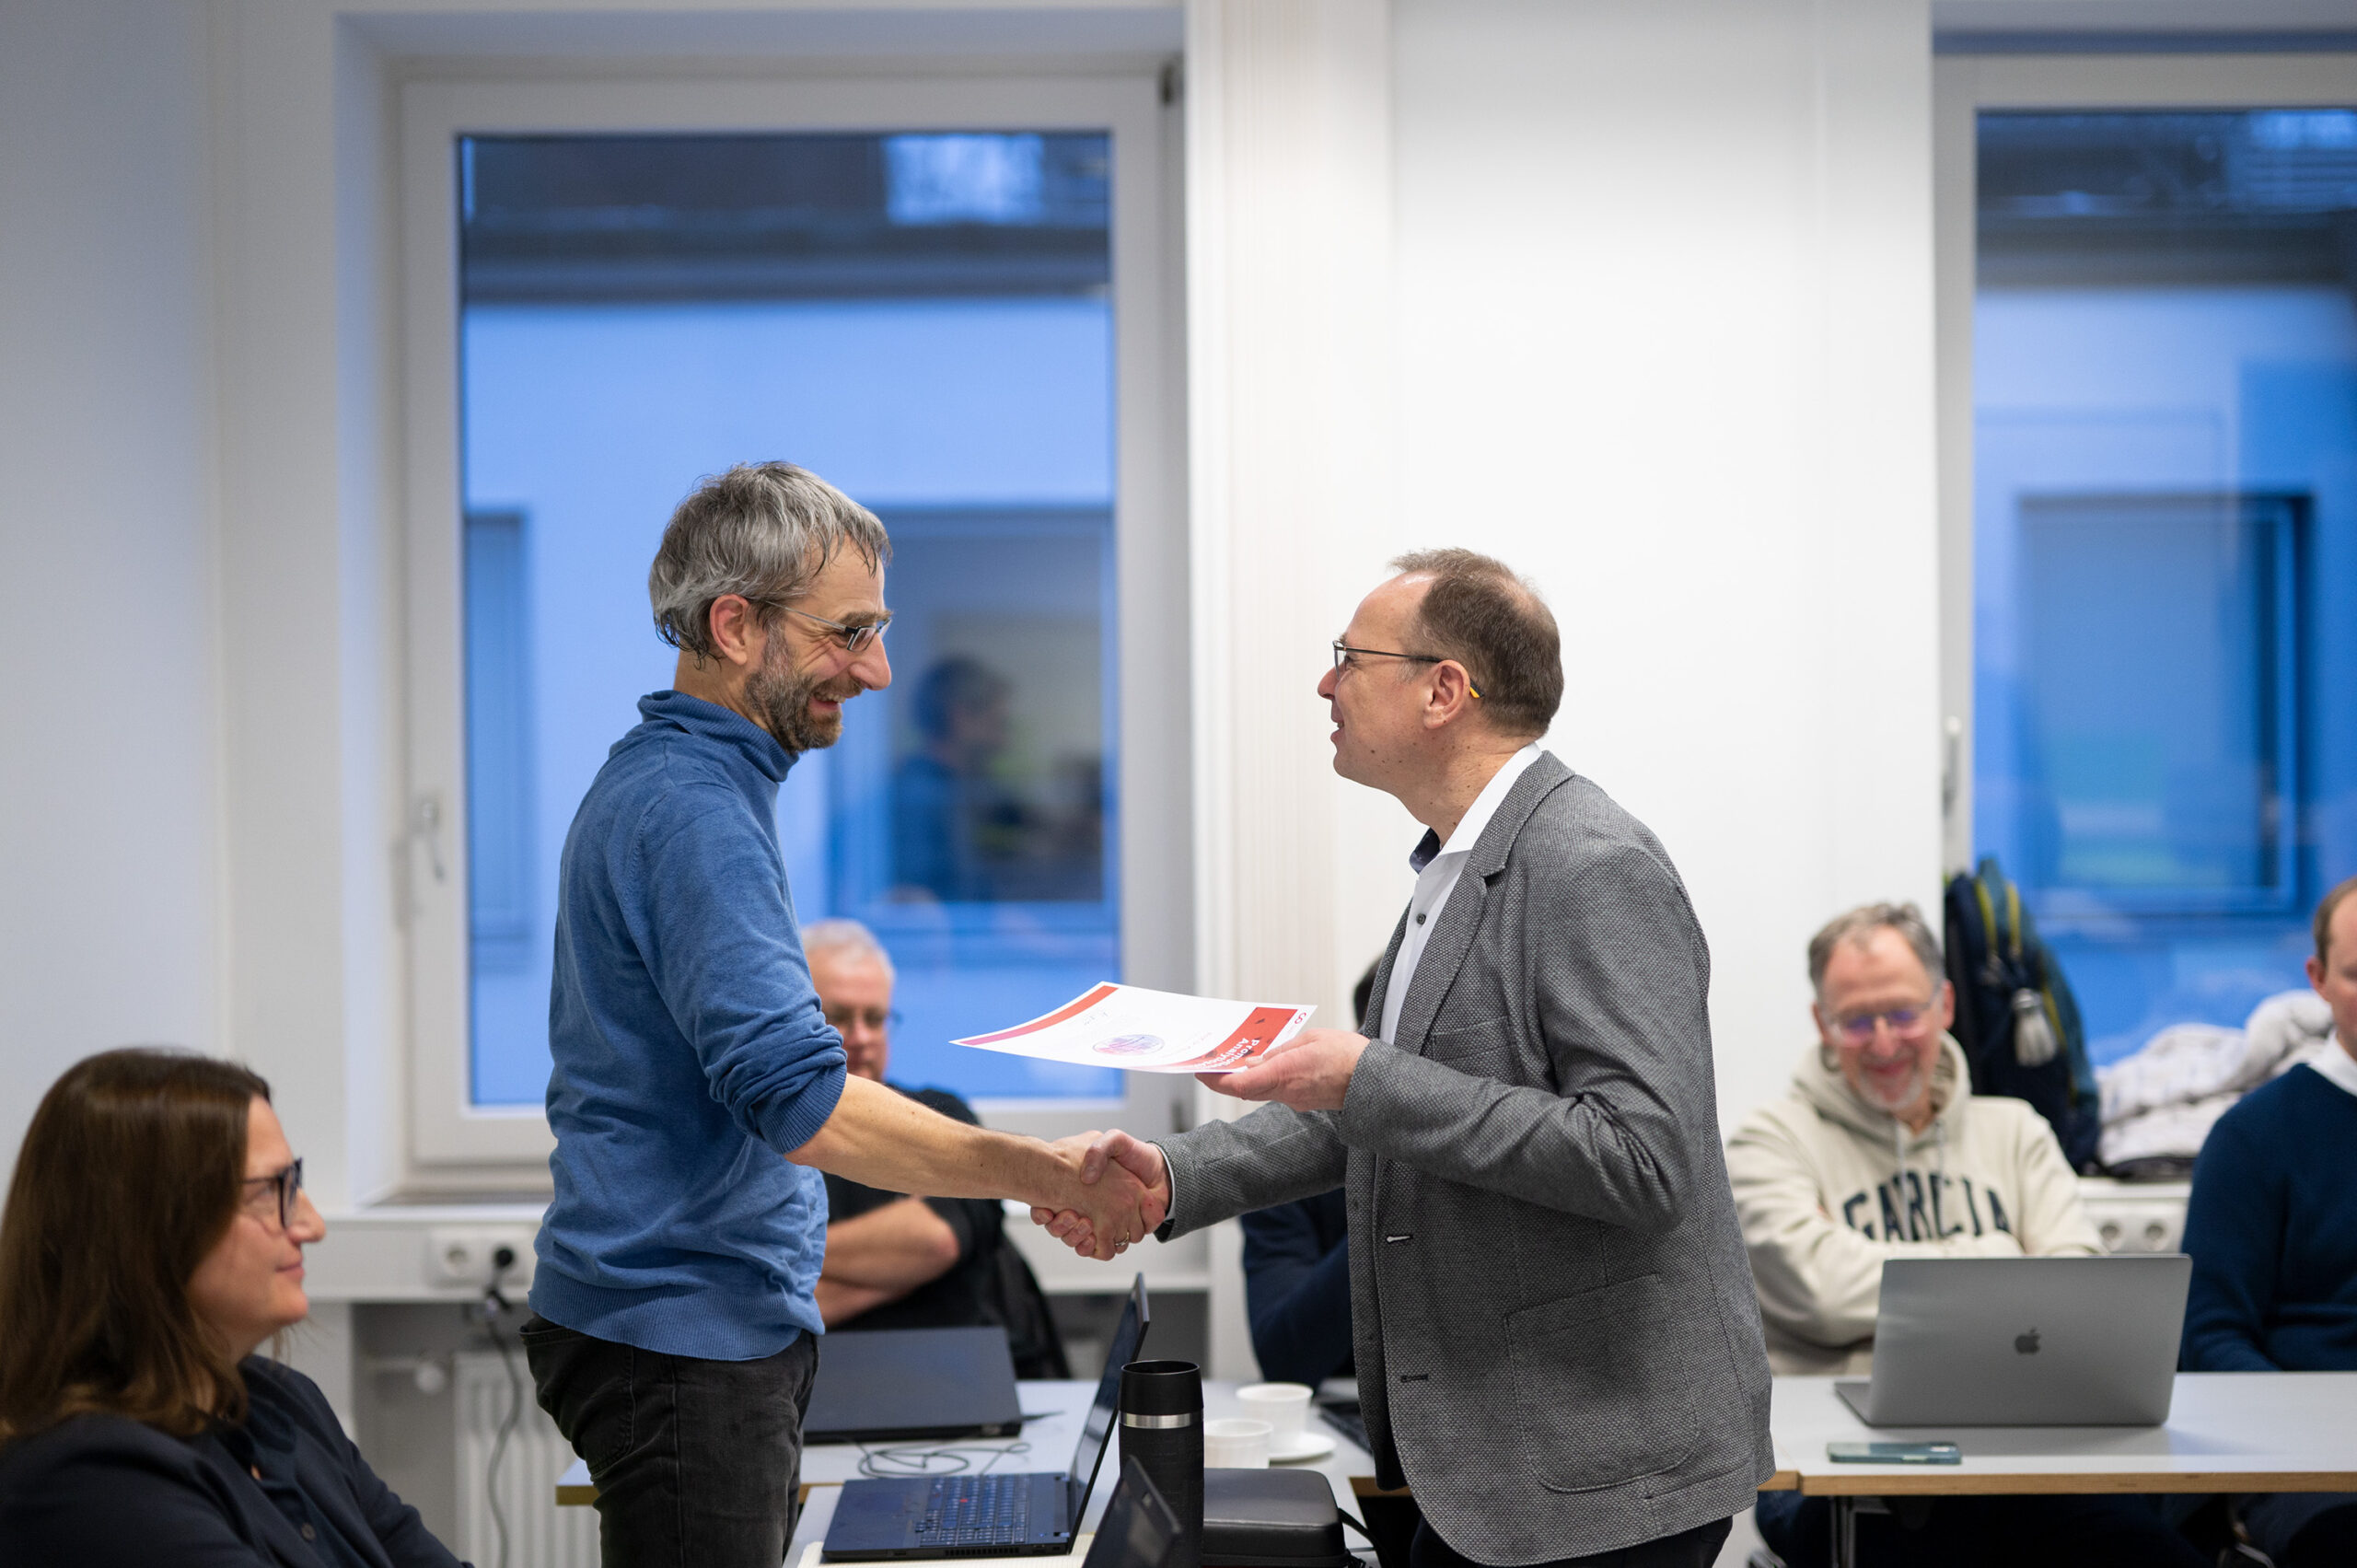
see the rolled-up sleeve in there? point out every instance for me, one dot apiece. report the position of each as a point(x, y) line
point(722, 947)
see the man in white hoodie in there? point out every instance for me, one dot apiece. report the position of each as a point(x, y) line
point(1883, 1151)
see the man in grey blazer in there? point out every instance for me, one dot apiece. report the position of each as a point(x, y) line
point(1557, 1340)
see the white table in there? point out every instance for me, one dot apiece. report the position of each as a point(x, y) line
point(2227, 1432)
point(825, 1465)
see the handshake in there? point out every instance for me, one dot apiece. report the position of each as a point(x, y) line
point(1119, 1190)
point(1116, 1192)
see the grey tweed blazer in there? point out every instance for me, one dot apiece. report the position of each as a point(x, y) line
point(1557, 1342)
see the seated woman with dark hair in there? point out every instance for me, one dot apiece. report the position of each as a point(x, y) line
point(153, 1239)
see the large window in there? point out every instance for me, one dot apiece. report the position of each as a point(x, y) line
point(2165, 539)
point(930, 313)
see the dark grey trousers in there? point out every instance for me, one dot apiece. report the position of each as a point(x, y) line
point(696, 1462)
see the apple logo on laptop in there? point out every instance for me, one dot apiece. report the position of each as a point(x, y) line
point(2026, 1343)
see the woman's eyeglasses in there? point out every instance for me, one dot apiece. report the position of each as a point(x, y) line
point(286, 1184)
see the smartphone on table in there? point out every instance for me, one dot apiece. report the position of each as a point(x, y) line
point(1894, 1453)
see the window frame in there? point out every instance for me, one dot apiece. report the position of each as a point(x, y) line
point(1962, 85)
point(1155, 818)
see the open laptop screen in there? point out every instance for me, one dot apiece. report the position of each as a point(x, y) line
point(1138, 1529)
point(1098, 1429)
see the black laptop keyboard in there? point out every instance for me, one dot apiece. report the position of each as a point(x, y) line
point(976, 1510)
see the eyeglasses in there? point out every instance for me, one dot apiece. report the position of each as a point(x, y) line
point(854, 639)
point(1345, 654)
point(842, 1018)
point(287, 1182)
point(1907, 1023)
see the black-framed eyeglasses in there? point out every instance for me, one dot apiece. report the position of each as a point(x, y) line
point(1345, 654)
point(288, 1183)
point(842, 1018)
point(854, 639)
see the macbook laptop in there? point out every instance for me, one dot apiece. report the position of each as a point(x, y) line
point(1138, 1530)
point(1016, 1514)
point(882, 1385)
point(2025, 1342)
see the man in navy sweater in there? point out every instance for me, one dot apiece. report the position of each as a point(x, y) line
point(697, 1090)
point(2273, 1228)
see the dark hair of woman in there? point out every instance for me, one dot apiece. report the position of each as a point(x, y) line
point(129, 1175)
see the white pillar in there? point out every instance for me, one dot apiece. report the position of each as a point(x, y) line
point(1289, 255)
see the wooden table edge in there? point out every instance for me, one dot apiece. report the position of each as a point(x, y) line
point(1928, 1482)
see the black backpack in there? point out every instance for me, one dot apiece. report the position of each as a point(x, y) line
point(2014, 1014)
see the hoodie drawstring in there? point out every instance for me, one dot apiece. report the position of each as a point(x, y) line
point(1939, 1155)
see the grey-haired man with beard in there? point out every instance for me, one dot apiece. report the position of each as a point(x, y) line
point(1882, 1150)
point(674, 1301)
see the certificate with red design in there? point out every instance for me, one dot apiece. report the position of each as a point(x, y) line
point(1150, 1031)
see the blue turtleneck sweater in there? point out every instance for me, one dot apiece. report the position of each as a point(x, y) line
point(689, 1053)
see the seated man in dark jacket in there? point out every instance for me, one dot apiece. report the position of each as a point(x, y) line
point(2272, 1230)
point(1297, 1289)
point(903, 1262)
point(1298, 1275)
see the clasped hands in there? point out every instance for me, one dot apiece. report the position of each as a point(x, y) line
point(1310, 1072)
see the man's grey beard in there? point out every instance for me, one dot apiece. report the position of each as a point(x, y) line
point(782, 700)
point(1917, 1082)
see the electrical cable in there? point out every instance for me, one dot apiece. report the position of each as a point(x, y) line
point(493, 1307)
point(933, 1460)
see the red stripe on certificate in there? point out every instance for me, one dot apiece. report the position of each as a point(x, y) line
point(1254, 1035)
point(1072, 1009)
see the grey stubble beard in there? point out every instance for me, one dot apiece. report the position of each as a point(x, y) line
point(780, 697)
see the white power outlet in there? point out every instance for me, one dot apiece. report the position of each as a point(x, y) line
point(465, 1255)
point(2138, 1227)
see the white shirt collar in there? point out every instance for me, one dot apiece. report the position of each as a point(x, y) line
point(2335, 1063)
point(1470, 827)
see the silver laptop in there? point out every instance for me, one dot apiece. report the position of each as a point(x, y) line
point(2025, 1341)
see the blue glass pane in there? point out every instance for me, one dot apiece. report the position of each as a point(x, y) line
point(2149, 751)
point(2166, 548)
point(924, 319)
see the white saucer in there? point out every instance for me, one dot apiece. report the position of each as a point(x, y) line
point(1307, 1445)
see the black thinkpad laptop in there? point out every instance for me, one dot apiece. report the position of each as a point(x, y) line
point(1028, 1515)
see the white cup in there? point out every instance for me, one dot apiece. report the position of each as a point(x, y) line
point(1235, 1444)
point(1285, 1406)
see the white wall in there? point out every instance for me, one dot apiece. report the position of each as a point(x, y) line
point(1664, 306)
point(109, 840)
point(1662, 287)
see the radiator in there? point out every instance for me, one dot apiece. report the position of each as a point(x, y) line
point(540, 1534)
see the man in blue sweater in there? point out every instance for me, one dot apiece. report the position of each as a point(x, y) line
point(698, 1091)
point(2273, 1228)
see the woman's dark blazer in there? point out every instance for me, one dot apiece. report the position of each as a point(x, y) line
point(104, 1491)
